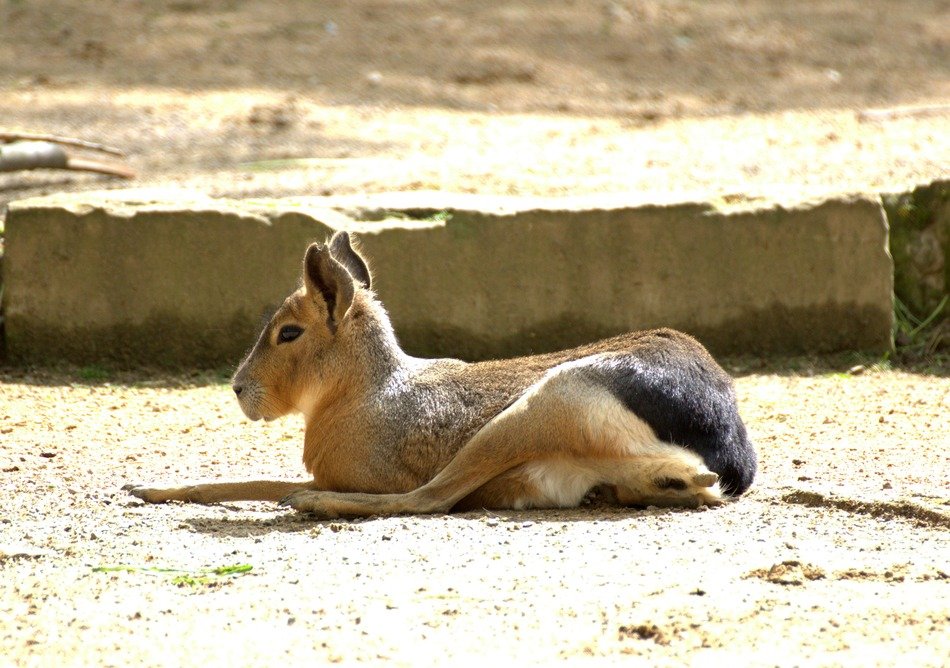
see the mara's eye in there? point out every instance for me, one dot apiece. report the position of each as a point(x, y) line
point(288, 333)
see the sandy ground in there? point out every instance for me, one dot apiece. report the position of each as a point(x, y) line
point(839, 556)
point(528, 97)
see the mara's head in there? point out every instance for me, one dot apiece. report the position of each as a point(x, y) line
point(299, 355)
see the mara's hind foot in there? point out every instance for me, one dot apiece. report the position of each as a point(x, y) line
point(677, 482)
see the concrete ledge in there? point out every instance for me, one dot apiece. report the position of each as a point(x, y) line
point(175, 278)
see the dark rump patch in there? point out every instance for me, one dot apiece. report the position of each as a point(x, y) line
point(672, 384)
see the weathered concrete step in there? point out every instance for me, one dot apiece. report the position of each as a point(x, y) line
point(177, 278)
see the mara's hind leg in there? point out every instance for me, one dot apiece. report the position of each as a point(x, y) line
point(543, 422)
point(565, 416)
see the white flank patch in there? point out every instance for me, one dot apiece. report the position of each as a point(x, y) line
point(561, 483)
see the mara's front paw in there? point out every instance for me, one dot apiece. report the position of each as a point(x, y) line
point(157, 494)
point(311, 502)
point(145, 493)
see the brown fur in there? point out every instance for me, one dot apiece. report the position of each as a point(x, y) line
point(388, 433)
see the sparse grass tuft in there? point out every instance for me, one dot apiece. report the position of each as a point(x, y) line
point(94, 373)
point(918, 335)
point(206, 577)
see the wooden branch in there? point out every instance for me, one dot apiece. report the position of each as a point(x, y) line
point(7, 137)
point(32, 155)
point(45, 155)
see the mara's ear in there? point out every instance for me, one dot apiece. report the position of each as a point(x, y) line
point(342, 250)
point(327, 279)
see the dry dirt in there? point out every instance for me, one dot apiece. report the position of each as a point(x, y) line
point(838, 557)
point(549, 97)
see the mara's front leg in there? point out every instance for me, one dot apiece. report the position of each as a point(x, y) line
point(254, 490)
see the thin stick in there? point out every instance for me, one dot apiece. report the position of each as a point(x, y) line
point(6, 137)
point(84, 165)
point(45, 155)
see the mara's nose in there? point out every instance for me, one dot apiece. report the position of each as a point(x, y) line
point(237, 389)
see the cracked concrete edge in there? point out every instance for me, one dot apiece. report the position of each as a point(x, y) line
point(373, 207)
point(186, 277)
